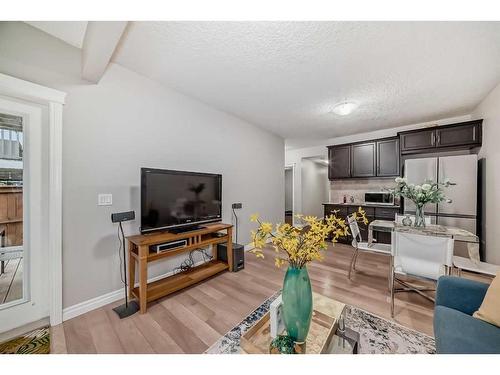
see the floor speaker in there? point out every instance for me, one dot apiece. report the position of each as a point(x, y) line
point(238, 258)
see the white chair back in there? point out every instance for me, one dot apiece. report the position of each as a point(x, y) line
point(354, 227)
point(399, 219)
point(421, 255)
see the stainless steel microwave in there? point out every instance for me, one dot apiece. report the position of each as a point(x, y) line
point(379, 197)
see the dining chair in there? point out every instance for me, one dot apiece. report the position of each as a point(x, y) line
point(419, 256)
point(359, 245)
point(399, 219)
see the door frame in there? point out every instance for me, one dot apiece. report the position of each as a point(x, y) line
point(54, 101)
point(292, 166)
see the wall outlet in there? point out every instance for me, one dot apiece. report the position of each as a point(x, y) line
point(105, 199)
point(236, 206)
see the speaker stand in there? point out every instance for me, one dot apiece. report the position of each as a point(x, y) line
point(128, 308)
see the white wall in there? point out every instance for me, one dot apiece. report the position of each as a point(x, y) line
point(126, 122)
point(295, 156)
point(489, 110)
point(314, 187)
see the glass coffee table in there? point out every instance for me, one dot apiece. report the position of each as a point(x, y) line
point(327, 334)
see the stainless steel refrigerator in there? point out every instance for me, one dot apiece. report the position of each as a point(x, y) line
point(462, 170)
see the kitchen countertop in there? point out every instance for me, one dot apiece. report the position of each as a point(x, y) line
point(349, 204)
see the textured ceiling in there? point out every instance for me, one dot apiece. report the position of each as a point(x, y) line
point(71, 32)
point(286, 76)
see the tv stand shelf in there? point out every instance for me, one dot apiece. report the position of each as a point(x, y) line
point(181, 280)
point(140, 255)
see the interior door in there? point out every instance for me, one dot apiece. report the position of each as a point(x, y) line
point(23, 202)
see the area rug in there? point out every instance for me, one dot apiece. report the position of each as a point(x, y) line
point(34, 342)
point(377, 335)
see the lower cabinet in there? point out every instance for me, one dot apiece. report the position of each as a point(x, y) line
point(372, 213)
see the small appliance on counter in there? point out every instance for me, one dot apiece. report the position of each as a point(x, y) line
point(379, 197)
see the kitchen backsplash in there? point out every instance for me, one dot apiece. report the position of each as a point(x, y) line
point(357, 188)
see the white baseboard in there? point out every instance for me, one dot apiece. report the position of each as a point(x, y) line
point(105, 299)
point(94, 303)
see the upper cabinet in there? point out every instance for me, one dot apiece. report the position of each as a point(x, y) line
point(388, 157)
point(418, 140)
point(467, 134)
point(382, 157)
point(464, 135)
point(363, 160)
point(339, 162)
point(377, 158)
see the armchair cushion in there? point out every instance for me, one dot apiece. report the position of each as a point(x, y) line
point(460, 294)
point(459, 333)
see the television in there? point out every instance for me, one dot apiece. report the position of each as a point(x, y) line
point(179, 200)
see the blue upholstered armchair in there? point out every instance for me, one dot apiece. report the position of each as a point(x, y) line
point(455, 330)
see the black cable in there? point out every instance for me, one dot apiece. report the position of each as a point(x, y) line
point(123, 263)
point(188, 263)
point(236, 222)
point(120, 231)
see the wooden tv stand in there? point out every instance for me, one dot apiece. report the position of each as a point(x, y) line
point(139, 251)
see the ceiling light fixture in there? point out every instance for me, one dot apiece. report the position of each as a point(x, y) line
point(344, 108)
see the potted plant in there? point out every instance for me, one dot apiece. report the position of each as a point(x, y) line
point(296, 247)
point(420, 195)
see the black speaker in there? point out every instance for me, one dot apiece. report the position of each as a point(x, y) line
point(238, 257)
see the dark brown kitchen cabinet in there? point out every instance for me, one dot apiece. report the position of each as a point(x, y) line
point(461, 136)
point(339, 162)
point(419, 140)
point(388, 157)
point(458, 135)
point(379, 157)
point(363, 159)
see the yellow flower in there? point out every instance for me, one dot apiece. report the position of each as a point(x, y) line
point(300, 246)
point(278, 262)
point(266, 227)
point(254, 217)
point(258, 253)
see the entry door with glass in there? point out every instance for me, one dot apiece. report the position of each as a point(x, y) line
point(23, 248)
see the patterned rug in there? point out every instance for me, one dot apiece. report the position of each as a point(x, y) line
point(34, 342)
point(377, 335)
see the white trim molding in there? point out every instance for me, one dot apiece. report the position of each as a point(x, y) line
point(18, 88)
point(54, 100)
point(105, 299)
point(55, 212)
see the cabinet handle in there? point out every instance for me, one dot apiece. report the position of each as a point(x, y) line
point(433, 139)
point(473, 133)
point(438, 139)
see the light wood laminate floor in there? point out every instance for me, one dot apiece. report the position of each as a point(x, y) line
point(193, 319)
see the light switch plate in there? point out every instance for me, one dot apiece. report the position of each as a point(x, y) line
point(105, 199)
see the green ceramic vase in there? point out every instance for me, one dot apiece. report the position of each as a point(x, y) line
point(297, 303)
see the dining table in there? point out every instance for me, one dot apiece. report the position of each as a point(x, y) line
point(457, 234)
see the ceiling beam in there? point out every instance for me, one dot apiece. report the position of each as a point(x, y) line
point(100, 42)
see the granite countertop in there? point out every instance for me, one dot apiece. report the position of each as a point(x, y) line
point(458, 234)
point(363, 204)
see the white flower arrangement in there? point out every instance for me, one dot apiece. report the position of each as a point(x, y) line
point(427, 192)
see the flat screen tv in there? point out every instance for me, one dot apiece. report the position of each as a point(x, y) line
point(179, 200)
